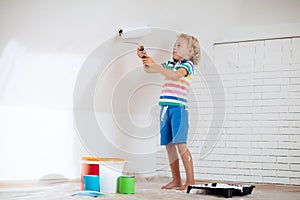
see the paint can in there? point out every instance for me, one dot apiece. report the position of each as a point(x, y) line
point(126, 184)
point(110, 169)
point(91, 183)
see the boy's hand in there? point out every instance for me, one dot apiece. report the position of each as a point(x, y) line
point(144, 56)
point(141, 52)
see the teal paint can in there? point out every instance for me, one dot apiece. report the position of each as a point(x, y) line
point(91, 183)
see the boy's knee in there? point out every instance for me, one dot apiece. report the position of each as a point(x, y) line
point(182, 148)
point(170, 148)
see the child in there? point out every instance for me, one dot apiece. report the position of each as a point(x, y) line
point(173, 101)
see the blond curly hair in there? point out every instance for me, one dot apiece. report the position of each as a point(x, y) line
point(194, 44)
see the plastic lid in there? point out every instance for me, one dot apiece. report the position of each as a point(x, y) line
point(124, 176)
point(90, 158)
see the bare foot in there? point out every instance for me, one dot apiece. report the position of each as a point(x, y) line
point(172, 184)
point(184, 187)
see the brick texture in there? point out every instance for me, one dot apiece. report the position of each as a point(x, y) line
point(259, 139)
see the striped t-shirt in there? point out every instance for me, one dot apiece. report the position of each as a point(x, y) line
point(175, 93)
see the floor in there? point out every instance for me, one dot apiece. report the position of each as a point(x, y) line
point(145, 189)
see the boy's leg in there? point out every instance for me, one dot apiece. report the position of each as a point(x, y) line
point(187, 160)
point(174, 165)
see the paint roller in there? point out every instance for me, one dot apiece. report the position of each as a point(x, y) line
point(127, 33)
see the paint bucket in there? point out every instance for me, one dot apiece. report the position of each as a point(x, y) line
point(91, 183)
point(126, 184)
point(110, 170)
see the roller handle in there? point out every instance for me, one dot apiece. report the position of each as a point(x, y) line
point(142, 48)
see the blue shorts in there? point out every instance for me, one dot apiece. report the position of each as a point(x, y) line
point(173, 125)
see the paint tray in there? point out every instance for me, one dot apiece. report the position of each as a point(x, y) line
point(228, 190)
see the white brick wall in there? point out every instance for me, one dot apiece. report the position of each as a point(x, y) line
point(260, 139)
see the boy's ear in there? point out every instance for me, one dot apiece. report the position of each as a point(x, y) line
point(191, 51)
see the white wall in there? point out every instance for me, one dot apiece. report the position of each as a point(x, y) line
point(266, 12)
point(43, 45)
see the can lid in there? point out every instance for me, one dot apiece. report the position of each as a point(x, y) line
point(124, 176)
point(90, 158)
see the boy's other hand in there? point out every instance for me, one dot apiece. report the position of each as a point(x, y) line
point(141, 54)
